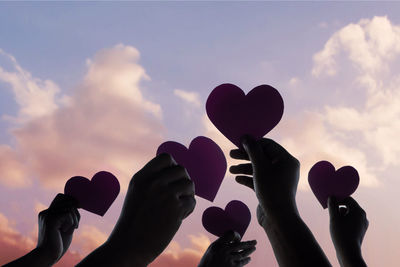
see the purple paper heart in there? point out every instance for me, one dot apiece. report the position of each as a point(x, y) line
point(236, 114)
point(236, 216)
point(325, 181)
point(204, 161)
point(94, 195)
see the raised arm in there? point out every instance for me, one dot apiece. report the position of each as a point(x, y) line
point(56, 227)
point(274, 174)
point(159, 197)
point(348, 225)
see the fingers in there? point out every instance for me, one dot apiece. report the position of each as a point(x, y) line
point(350, 203)
point(183, 188)
point(239, 154)
point(188, 205)
point(242, 169)
point(245, 180)
point(255, 152)
point(333, 207)
point(229, 237)
point(273, 150)
point(243, 246)
point(63, 202)
point(171, 175)
point(155, 165)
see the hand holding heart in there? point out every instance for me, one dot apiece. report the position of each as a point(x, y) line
point(160, 196)
point(273, 174)
point(228, 251)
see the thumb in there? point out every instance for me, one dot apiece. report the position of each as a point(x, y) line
point(254, 151)
point(333, 207)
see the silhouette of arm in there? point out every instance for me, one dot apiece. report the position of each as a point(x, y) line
point(273, 174)
point(348, 226)
point(159, 197)
point(56, 227)
point(228, 251)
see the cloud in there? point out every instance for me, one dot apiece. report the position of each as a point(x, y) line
point(369, 44)
point(192, 98)
point(35, 97)
point(107, 124)
point(371, 52)
point(12, 169)
point(87, 239)
point(175, 256)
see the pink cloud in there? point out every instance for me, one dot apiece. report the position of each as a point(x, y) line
point(107, 124)
point(175, 256)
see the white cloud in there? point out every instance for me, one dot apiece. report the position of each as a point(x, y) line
point(35, 97)
point(107, 125)
point(192, 98)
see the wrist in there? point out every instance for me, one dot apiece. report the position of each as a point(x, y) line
point(350, 256)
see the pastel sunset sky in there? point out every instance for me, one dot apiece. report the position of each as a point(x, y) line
point(89, 86)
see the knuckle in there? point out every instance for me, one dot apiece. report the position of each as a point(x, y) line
point(166, 157)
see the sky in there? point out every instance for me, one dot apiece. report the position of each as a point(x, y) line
point(90, 86)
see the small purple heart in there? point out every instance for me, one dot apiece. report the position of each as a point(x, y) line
point(325, 181)
point(94, 195)
point(204, 161)
point(236, 217)
point(236, 114)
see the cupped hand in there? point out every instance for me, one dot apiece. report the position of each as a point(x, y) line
point(56, 227)
point(348, 225)
point(228, 251)
point(273, 174)
point(159, 197)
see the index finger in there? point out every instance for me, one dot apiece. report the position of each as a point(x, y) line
point(157, 164)
point(62, 201)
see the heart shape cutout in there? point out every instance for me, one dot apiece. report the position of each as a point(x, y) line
point(236, 114)
point(236, 216)
point(204, 161)
point(94, 195)
point(325, 181)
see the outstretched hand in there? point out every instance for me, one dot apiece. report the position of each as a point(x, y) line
point(348, 226)
point(159, 197)
point(228, 251)
point(273, 174)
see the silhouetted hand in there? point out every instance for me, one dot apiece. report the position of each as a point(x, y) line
point(228, 251)
point(348, 226)
point(274, 178)
point(56, 227)
point(159, 197)
point(275, 174)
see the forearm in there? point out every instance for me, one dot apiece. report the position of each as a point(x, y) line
point(109, 254)
point(35, 258)
point(292, 241)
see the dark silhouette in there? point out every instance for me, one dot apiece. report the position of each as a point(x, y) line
point(56, 227)
point(228, 251)
point(159, 197)
point(274, 178)
point(347, 226)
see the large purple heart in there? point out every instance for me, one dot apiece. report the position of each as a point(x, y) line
point(94, 195)
point(325, 181)
point(236, 216)
point(236, 114)
point(204, 161)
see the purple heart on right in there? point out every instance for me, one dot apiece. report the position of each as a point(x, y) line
point(236, 114)
point(236, 216)
point(325, 181)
